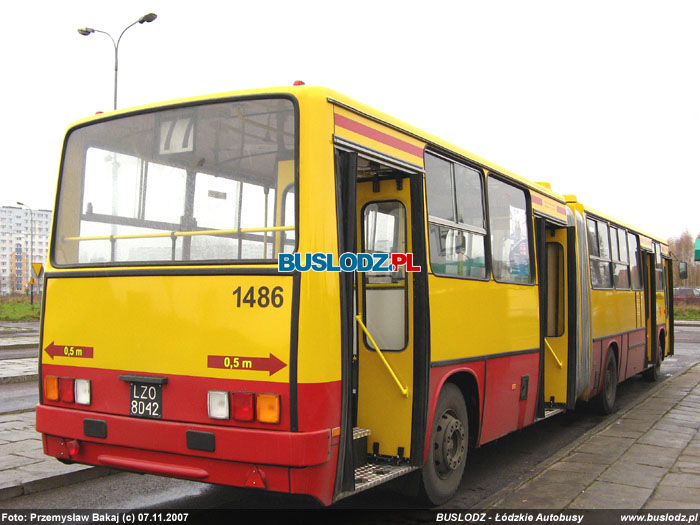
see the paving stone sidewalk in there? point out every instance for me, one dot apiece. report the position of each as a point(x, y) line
point(648, 458)
point(24, 468)
point(19, 370)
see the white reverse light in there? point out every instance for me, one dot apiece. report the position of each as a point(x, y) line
point(82, 392)
point(218, 404)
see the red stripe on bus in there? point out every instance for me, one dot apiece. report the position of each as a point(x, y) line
point(561, 210)
point(185, 397)
point(536, 200)
point(379, 136)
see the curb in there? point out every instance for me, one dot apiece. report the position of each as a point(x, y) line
point(9, 380)
point(492, 500)
point(59, 480)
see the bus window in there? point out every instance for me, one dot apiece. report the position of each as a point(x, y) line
point(456, 219)
point(510, 244)
point(186, 184)
point(599, 247)
point(555, 289)
point(384, 225)
point(288, 237)
point(621, 270)
point(660, 284)
point(634, 262)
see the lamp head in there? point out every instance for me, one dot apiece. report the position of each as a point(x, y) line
point(85, 31)
point(150, 17)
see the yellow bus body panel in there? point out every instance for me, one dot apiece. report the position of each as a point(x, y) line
point(463, 327)
point(167, 324)
point(319, 309)
point(612, 312)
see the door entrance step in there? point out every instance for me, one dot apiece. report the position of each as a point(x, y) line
point(358, 433)
point(549, 412)
point(359, 446)
point(374, 474)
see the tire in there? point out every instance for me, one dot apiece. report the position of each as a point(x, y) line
point(447, 453)
point(606, 398)
point(652, 374)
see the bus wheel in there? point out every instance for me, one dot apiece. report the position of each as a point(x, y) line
point(447, 455)
point(606, 398)
point(653, 373)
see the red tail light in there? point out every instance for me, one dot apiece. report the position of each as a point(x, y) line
point(244, 406)
point(66, 389)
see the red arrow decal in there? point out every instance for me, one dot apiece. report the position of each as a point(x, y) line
point(231, 362)
point(69, 351)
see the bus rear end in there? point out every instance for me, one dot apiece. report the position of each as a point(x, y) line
point(169, 337)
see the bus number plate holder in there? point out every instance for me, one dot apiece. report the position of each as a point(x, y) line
point(146, 400)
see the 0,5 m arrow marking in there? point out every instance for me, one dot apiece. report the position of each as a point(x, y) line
point(231, 362)
point(69, 351)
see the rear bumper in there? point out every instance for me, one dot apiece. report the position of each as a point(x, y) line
point(251, 446)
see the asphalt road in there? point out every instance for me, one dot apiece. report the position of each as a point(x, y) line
point(489, 468)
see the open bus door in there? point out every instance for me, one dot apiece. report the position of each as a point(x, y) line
point(557, 281)
point(385, 357)
point(648, 265)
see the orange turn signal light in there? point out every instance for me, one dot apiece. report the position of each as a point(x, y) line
point(51, 388)
point(268, 408)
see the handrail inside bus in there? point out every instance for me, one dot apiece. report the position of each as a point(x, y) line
point(179, 234)
point(553, 354)
point(403, 389)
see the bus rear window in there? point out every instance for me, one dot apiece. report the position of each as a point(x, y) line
point(214, 182)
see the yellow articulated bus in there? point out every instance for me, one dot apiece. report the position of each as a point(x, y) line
point(287, 290)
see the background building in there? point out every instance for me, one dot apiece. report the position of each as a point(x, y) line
point(15, 250)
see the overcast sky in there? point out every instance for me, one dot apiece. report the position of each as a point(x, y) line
point(600, 98)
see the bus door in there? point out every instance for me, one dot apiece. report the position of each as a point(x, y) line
point(668, 267)
point(554, 279)
point(649, 264)
point(388, 399)
point(385, 308)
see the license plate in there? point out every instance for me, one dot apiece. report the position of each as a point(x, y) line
point(146, 400)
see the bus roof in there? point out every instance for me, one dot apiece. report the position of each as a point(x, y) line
point(311, 92)
point(617, 222)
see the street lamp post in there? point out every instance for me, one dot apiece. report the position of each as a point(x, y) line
point(31, 248)
point(85, 31)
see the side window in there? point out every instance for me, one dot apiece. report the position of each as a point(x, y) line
point(592, 237)
point(599, 249)
point(659, 268)
point(614, 251)
point(455, 218)
point(635, 276)
point(510, 235)
point(621, 269)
